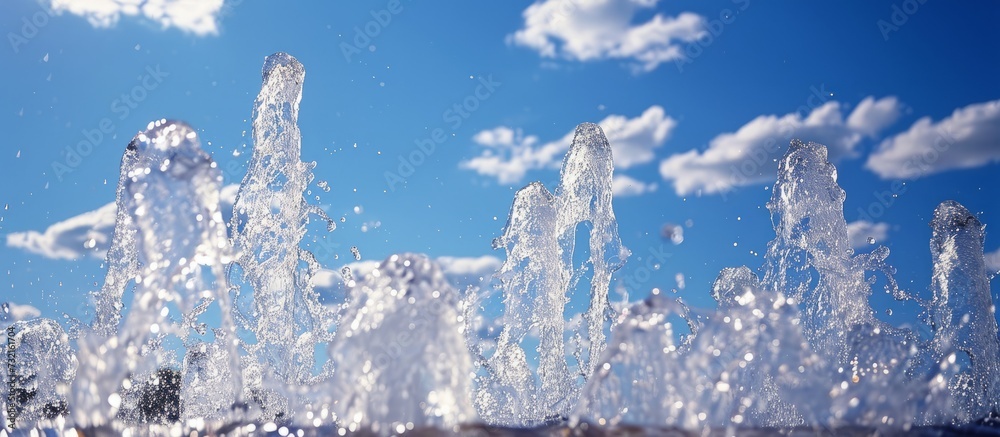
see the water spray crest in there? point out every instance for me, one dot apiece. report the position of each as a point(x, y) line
point(172, 242)
point(537, 279)
point(401, 354)
point(285, 322)
point(962, 311)
point(806, 328)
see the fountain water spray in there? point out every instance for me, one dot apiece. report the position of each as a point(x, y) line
point(797, 346)
point(536, 279)
point(173, 234)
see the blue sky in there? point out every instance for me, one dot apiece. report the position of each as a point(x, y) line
point(687, 91)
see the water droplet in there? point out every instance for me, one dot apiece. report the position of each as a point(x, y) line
point(323, 185)
point(672, 232)
point(356, 253)
point(871, 240)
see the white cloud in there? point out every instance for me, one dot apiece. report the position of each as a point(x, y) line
point(749, 155)
point(360, 269)
point(199, 17)
point(478, 266)
point(89, 234)
point(326, 278)
point(463, 272)
point(508, 154)
point(858, 233)
point(969, 137)
point(992, 261)
point(460, 272)
point(633, 140)
point(86, 234)
point(872, 116)
point(606, 29)
point(16, 313)
point(623, 186)
point(227, 195)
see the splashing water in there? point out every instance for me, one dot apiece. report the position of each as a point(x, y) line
point(173, 229)
point(539, 239)
point(801, 346)
point(35, 387)
point(401, 355)
point(965, 328)
point(798, 345)
point(269, 217)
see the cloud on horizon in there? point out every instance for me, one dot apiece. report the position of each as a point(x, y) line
point(461, 272)
point(968, 138)
point(17, 313)
point(749, 155)
point(199, 17)
point(626, 186)
point(992, 261)
point(89, 234)
point(859, 231)
point(507, 154)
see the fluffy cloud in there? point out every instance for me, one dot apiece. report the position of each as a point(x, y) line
point(858, 232)
point(89, 234)
point(461, 272)
point(12, 312)
point(507, 154)
point(623, 185)
point(993, 262)
point(195, 16)
point(969, 137)
point(749, 155)
point(872, 116)
point(606, 29)
point(86, 234)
